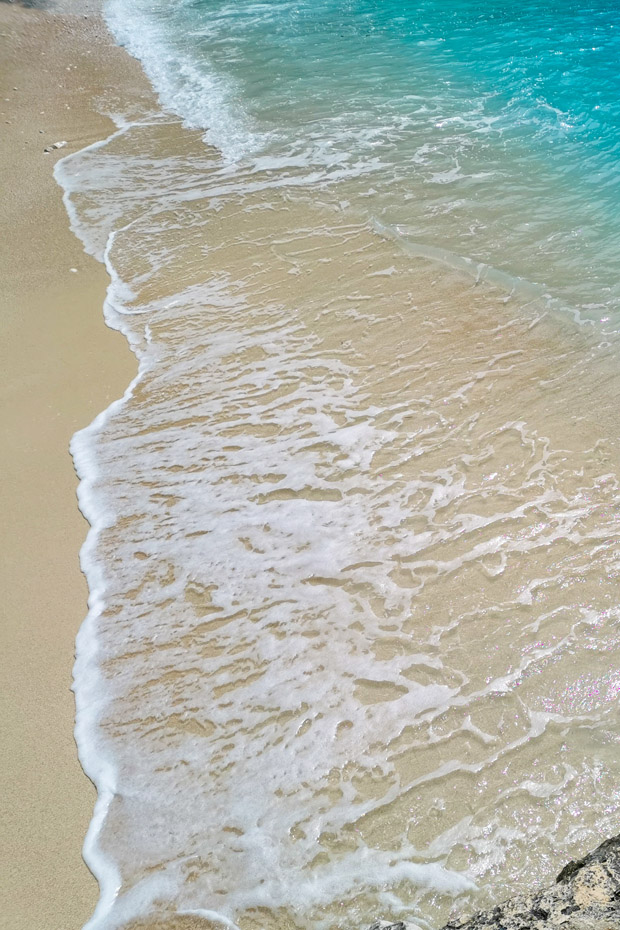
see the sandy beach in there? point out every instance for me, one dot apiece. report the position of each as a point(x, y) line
point(352, 651)
point(60, 366)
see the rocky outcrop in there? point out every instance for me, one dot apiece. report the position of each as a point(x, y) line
point(585, 896)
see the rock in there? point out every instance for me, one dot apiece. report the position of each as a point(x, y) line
point(585, 896)
point(54, 145)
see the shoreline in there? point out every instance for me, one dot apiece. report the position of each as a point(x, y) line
point(61, 367)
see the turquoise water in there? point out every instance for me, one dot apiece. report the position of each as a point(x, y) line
point(491, 132)
point(353, 646)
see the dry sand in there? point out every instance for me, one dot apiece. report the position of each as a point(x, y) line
point(59, 367)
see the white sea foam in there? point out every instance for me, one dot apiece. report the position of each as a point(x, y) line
point(203, 97)
point(353, 620)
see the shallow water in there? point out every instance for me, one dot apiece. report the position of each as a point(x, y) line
point(353, 642)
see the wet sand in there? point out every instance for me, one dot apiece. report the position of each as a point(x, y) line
point(60, 366)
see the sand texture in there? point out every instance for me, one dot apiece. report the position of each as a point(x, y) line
point(60, 366)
